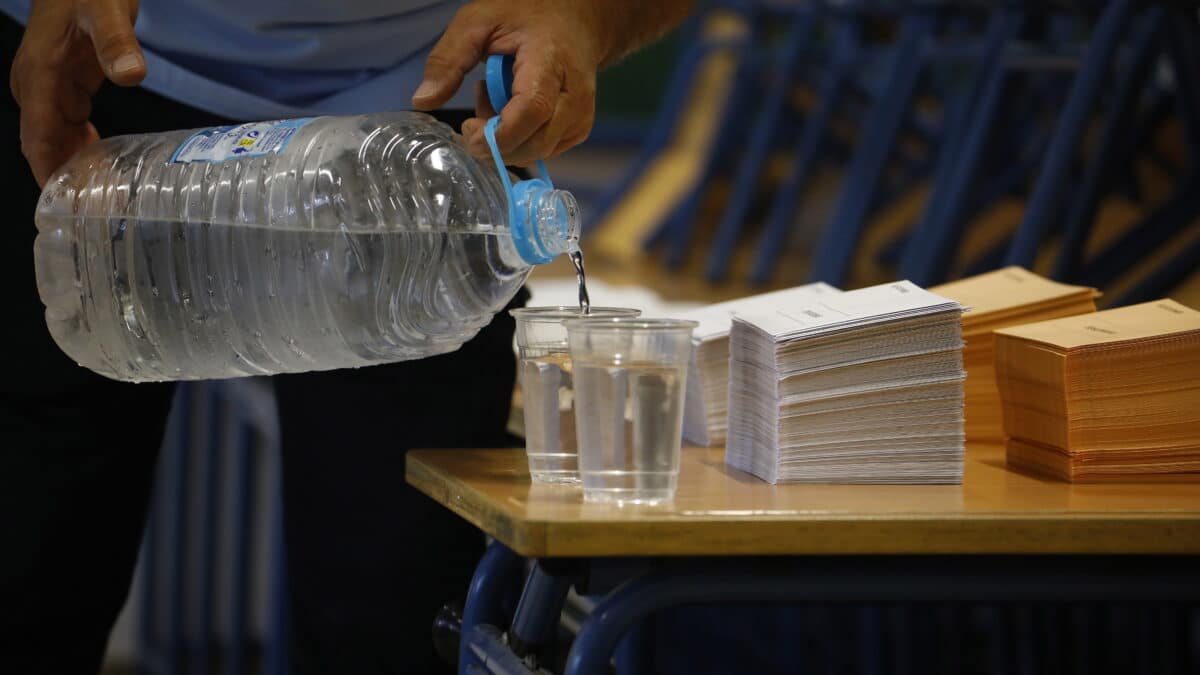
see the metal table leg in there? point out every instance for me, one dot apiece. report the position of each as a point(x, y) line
point(536, 619)
point(496, 570)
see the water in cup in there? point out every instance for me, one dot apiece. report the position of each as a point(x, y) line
point(549, 400)
point(547, 388)
point(633, 424)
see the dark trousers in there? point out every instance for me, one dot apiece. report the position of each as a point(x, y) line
point(370, 559)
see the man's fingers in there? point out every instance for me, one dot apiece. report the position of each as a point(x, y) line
point(45, 139)
point(472, 129)
point(552, 104)
point(542, 143)
point(483, 103)
point(53, 123)
point(570, 140)
point(458, 51)
point(568, 126)
point(472, 132)
point(53, 81)
point(579, 130)
point(75, 138)
point(537, 86)
point(111, 29)
point(74, 102)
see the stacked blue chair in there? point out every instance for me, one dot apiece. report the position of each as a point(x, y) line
point(876, 144)
point(677, 231)
point(1012, 85)
point(697, 49)
point(204, 570)
point(1115, 73)
point(870, 85)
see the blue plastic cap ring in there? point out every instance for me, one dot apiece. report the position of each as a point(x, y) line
point(499, 75)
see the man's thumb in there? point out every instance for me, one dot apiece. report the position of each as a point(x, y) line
point(117, 49)
point(459, 50)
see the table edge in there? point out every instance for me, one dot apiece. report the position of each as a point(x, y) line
point(523, 536)
point(979, 533)
point(890, 536)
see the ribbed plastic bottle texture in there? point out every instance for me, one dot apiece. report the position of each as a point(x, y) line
point(363, 240)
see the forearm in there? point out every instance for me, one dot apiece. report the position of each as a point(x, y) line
point(624, 26)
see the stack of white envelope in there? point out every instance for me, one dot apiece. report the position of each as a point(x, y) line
point(864, 386)
point(705, 413)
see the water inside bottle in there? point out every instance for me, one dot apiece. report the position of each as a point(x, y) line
point(188, 300)
point(629, 440)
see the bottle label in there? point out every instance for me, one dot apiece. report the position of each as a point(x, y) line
point(255, 139)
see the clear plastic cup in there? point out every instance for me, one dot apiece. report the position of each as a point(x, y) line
point(547, 389)
point(630, 380)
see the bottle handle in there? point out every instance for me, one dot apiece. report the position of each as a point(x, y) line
point(525, 234)
point(499, 76)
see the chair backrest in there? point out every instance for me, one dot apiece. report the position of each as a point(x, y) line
point(209, 591)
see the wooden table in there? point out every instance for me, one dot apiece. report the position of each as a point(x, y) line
point(728, 536)
point(722, 511)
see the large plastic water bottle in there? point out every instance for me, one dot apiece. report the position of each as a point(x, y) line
point(287, 246)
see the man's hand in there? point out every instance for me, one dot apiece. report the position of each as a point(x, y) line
point(559, 47)
point(69, 48)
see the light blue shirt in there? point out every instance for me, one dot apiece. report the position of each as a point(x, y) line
point(267, 59)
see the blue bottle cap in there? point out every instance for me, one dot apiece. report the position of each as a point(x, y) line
point(525, 234)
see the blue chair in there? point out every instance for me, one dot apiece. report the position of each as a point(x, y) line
point(200, 575)
point(877, 142)
point(810, 148)
point(697, 50)
point(677, 230)
point(971, 108)
point(1176, 34)
point(1071, 126)
point(1112, 81)
point(764, 135)
point(933, 240)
